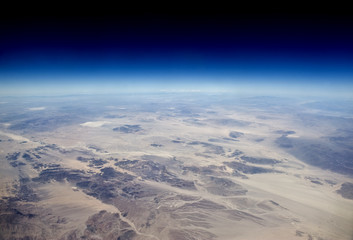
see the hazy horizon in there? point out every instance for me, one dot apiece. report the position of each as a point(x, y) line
point(177, 126)
point(278, 54)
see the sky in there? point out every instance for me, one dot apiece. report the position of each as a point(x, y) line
point(260, 54)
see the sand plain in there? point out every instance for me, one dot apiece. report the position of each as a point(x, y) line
point(175, 171)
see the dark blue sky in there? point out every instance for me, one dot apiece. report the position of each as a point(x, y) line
point(251, 52)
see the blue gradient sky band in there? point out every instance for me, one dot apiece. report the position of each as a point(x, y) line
point(264, 56)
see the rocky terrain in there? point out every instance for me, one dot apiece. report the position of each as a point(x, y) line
point(182, 168)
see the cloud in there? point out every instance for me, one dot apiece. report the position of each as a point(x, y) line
point(94, 124)
point(36, 108)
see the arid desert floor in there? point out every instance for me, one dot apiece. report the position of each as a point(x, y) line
point(175, 166)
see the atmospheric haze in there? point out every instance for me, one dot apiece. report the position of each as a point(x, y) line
point(219, 126)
